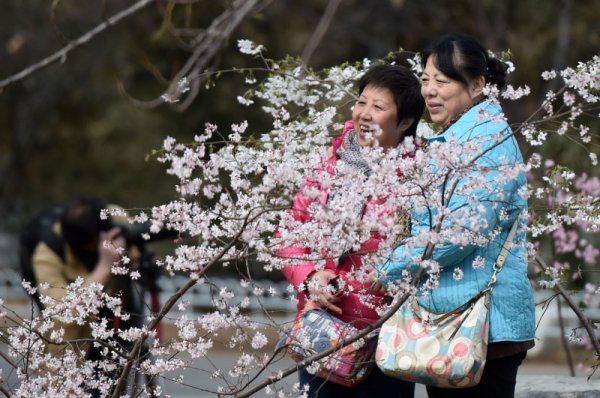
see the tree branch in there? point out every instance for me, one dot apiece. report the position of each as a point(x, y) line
point(563, 338)
point(563, 41)
point(122, 382)
point(427, 253)
point(319, 32)
point(5, 391)
point(584, 320)
point(61, 55)
point(363, 333)
point(206, 45)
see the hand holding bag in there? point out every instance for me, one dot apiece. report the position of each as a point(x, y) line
point(444, 350)
point(315, 330)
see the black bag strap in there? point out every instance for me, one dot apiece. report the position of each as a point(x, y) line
point(40, 229)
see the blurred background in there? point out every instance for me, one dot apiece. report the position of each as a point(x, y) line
point(86, 124)
point(86, 121)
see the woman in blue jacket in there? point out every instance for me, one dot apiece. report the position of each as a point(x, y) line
point(457, 68)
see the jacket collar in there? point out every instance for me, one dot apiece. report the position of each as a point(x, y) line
point(462, 129)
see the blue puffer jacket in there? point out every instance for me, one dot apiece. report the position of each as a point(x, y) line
point(512, 306)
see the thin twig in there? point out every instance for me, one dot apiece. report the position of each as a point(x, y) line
point(302, 364)
point(319, 32)
point(61, 55)
point(8, 360)
point(170, 303)
point(584, 320)
point(206, 46)
point(5, 391)
point(563, 338)
point(428, 252)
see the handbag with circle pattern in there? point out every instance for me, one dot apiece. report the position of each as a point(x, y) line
point(445, 350)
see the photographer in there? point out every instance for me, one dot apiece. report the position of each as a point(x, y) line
point(70, 241)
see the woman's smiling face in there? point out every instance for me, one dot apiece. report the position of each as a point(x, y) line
point(375, 118)
point(445, 98)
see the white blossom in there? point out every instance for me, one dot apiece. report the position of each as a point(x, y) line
point(248, 47)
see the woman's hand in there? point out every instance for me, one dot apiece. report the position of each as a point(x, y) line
point(371, 277)
point(111, 246)
point(322, 291)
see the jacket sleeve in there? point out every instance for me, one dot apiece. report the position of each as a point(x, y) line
point(298, 273)
point(492, 207)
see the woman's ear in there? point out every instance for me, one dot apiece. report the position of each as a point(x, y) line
point(405, 123)
point(476, 87)
point(402, 126)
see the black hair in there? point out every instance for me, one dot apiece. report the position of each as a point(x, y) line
point(81, 223)
point(461, 57)
point(404, 86)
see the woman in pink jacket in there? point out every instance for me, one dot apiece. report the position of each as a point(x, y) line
point(388, 109)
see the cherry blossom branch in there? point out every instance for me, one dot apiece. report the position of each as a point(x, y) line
point(428, 252)
point(343, 343)
point(364, 332)
point(448, 193)
point(584, 320)
point(219, 183)
point(61, 55)
point(135, 351)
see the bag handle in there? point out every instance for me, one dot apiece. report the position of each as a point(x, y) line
point(416, 308)
point(503, 254)
point(497, 268)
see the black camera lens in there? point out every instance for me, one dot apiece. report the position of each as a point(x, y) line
point(334, 283)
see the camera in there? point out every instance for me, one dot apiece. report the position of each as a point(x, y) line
point(135, 237)
point(336, 285)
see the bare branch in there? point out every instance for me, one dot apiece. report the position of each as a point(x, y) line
point(319, 32)
point(563, 338)
point(210, 41)
point(206, 46)
point(5, 391)
point(61, 55)
point(563, 41)
point(8, 360)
